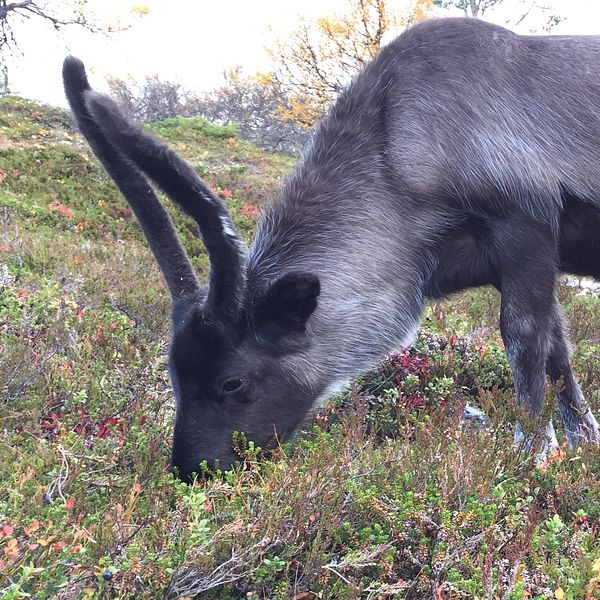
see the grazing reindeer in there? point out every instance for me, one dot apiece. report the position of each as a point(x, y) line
point(462, 155)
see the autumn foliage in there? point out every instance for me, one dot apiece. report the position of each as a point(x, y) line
point(319, 58)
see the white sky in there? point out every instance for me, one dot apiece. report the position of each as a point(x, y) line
point(191, 41)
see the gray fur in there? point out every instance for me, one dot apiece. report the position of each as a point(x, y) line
point(478, 121)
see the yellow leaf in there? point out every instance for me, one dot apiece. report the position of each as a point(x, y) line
point(596, 566)
point(559, 594)
point(519, 573)
point(45, 541)
point(140, 10)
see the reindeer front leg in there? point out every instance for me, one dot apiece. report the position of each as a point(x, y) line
point(466, 260)
point(527, 262)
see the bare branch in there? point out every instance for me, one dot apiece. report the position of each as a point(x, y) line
point(57, 14)
point(523, 8)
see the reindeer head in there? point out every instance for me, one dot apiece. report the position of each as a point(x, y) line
point(229, 348)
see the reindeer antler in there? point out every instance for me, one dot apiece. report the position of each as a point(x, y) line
point(151, 214)
point(181, 183)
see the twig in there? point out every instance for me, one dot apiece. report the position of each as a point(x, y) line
point(60, 480)
point(344, 579)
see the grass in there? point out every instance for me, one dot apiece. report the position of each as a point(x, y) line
point(385, 495)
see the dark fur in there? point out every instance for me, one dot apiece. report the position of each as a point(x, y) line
point(153, 218)
point(462, 155)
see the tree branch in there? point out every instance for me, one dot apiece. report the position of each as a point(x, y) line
point(72, 14)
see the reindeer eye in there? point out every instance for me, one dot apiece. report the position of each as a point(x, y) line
point(233, 385)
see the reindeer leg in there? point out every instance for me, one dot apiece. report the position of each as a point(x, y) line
point(579, 254)
point(578, 421)
point(527, 262)
point(465, 261)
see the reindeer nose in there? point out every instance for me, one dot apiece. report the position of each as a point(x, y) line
point(188, 470)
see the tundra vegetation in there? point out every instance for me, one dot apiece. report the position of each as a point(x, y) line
point(384, 495)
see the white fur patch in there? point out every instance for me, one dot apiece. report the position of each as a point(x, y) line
point(331, 390)
point(228, 227)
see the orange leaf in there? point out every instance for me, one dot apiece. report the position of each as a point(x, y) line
point(12, 547)
point(443, 592)
point(225, 194)
point(35, 525)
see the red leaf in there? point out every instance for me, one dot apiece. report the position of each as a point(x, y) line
point(250, 210)
point(7, 530)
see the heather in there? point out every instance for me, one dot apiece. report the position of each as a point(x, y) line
point(387, 493)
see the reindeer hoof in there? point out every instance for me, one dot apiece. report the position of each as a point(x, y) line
point(587, 431)
point(549, 443)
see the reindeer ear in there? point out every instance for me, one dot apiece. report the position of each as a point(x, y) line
point(289, 302)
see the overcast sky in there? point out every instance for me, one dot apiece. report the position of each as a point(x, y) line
point(191, 41)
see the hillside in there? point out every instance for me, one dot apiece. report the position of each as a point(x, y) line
point(385, 495)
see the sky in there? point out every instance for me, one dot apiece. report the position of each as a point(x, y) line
point(192, 41)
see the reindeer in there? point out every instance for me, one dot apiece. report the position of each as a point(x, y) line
point(462, 155)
